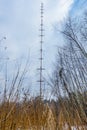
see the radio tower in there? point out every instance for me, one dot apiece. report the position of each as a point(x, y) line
point(41, 50)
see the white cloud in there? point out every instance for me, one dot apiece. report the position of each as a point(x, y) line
point(21, 19)
point(20, 22)
point(58, 12)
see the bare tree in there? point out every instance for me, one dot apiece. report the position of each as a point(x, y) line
point(69, 81)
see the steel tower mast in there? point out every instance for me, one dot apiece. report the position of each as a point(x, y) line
point(41, 49)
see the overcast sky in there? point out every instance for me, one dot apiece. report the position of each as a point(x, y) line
point(20, 22)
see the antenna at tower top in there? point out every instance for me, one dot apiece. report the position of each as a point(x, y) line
point(41, 49)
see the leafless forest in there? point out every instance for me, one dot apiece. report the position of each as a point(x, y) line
point(68, 84)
